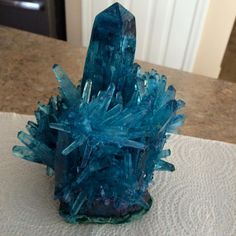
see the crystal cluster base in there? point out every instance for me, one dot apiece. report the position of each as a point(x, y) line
point(102, 214)
point(103, 140)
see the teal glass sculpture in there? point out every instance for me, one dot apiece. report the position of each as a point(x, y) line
point(103, 140)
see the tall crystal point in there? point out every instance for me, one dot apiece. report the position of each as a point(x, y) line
point(111, 51)
point(103, 140)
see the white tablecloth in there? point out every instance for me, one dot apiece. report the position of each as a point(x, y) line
point(199, 198)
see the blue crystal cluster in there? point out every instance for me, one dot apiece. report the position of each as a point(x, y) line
point(103, 140)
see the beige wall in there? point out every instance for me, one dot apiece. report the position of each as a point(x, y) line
point(219, 22)
point(73, 21)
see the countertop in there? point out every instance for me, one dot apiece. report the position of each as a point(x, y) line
point(26, 78)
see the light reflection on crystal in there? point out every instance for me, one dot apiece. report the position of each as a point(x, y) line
point(103, 142)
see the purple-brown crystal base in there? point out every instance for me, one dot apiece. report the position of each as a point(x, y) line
point(106, 214)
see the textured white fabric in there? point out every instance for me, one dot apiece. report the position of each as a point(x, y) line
point(199, 198)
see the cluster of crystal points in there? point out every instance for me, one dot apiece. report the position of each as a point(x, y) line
point(104, 139)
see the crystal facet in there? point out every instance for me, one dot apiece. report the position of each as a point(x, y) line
point(110, 57)
point(103, 140)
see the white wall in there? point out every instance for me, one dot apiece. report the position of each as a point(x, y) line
point(168, 31)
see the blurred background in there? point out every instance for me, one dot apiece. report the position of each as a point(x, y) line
point(197, 36)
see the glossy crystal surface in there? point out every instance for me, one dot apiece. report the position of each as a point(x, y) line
point(110, 56)
point(103, 140)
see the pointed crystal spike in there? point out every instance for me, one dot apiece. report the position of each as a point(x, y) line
point(78, 142)
point(68, 89)
point(111, 51)
point(79, 201)
point(87, 91)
